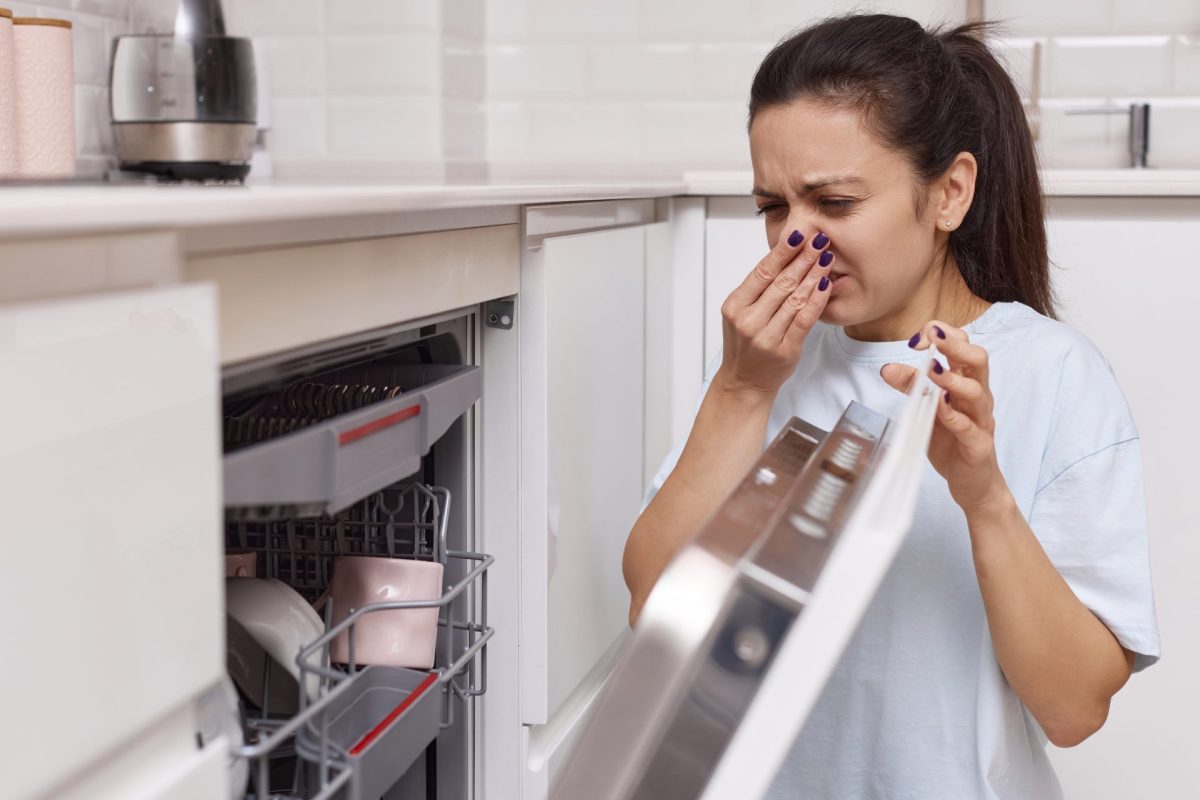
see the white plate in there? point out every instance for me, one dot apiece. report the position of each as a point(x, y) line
point(277, 618)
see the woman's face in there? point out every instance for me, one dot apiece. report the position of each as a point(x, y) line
point(817, 169)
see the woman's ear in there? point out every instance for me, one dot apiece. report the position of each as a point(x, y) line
point(958, 190)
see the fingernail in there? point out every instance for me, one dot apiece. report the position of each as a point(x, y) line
point(937, 367)
point(913, 341)
point(823, 285)
point(820, 240)
point(941, 333)
point(826, 258)
point(796, 238)
point(947, 397)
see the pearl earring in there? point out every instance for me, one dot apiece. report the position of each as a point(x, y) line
point(948, 224)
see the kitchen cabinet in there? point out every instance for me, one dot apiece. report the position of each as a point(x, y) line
point(1125, 273)
point(583, 318)
point(111, 576)
point(599, 394)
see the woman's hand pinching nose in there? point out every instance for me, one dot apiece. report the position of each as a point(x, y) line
point(766, 319)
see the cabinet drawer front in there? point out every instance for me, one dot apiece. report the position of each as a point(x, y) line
point(112, 565)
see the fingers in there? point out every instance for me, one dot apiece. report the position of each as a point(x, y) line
point(976, 442)
point(767, 270)
point(969, 359)
point(898, 376)
point(967, 396)
point(803, 306)
point(790, 280)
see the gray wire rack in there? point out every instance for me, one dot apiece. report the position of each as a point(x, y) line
point(367, 724)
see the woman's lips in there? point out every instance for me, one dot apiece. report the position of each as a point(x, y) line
point(836, 279)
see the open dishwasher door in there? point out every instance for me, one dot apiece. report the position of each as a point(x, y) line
point(744, 627)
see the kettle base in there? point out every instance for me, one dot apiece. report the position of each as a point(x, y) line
point(191, 170)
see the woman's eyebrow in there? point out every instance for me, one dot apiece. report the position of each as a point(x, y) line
point(813, 185)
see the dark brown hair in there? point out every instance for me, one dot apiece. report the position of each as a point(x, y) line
point(931, 95)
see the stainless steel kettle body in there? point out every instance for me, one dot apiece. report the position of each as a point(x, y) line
point(184, 103)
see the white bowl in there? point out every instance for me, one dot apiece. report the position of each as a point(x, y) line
point(278, 619)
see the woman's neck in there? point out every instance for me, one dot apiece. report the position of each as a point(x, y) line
point(943, 296)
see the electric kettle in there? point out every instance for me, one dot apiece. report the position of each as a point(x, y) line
point(184, 103)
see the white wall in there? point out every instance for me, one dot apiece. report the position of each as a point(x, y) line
point(372, 88)
point(423, 89)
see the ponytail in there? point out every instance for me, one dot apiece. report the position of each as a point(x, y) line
point(931, 96)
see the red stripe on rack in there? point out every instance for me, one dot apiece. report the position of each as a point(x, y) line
point(363, 431)
point(362, 743)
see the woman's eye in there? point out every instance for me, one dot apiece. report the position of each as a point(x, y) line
point(837, 203)
point(767, 209)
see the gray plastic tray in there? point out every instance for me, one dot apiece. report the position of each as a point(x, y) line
point(331, 464)
point(382, 725)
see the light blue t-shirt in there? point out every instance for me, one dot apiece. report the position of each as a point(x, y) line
point(917, 708)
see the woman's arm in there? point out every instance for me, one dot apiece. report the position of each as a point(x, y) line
point(1061, 660)
point(764, 323)
point(726, 438)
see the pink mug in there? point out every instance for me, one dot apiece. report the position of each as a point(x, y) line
point(241, 564)
point(400, 637)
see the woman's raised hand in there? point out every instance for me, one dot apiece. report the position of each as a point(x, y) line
point(766, 318)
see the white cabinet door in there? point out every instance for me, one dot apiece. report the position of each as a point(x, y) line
point(585, 478)
point(111, 573)
point(734, 242)
point(1126, 273)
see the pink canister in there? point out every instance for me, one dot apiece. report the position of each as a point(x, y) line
point(45, 97)
point(8, 98)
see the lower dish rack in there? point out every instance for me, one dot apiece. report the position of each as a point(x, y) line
point(368, 724)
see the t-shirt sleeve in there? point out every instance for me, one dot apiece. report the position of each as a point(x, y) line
point(668, 464)
point(1089, 510)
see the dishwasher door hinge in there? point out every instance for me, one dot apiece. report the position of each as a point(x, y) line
point(500, 314)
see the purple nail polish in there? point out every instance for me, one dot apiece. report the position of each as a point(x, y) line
point(796, 238)
point(947, 397)
point(826, 258)
point(823, 285)
point(820, 240)
point(913, 341)
point(941, 333)
point(937, 368)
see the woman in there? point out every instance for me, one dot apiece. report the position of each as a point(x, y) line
point(896, 174)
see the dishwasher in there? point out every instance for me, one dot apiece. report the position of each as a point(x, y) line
point(362, 448)
point(746, 623)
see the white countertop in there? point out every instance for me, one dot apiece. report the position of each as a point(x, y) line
point(36, 211)
point(48, 210)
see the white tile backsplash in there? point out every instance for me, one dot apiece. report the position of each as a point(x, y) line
point(385, 129)
point(1076, 141)
point(297, 66)
point(589, 82)
point(1174, 132)
point(694, 20)
point(536, 72)
point(590, 132)
point(1187, 66)
point(1046, 17)
point(1017, 55)
point(583, 19)
point(640, 70)
point(1106, 65)
point(379, 16)
point(298, 128)
point(383, 65)
point(713, 133)
point(1156, 16)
